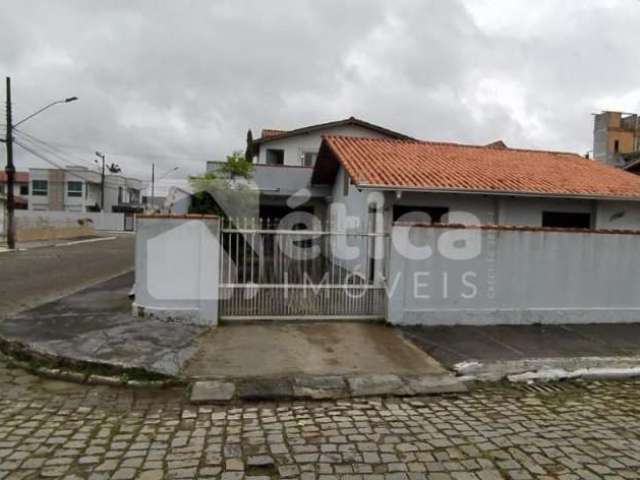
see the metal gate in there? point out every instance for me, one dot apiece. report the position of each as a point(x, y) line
point(287, 274)
point(129, 221)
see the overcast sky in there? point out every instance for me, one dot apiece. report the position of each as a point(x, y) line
point(180, 82)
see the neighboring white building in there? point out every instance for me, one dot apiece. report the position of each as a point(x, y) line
point(78, 189)
point(178, 200)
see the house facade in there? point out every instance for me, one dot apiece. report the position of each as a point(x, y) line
point(20, 188)
point(418, 232)
point(433, 182)
point(284, 162)
point(78, 189)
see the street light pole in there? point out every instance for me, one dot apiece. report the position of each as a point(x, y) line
point(102, 156)
point(10, 170)
point(153, 185)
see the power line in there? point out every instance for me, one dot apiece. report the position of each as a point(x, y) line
point(55, 150)
point(89, 148)
point(51, 162)
point(60, 154)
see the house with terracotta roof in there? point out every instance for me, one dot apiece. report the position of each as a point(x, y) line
point(284, 161)
point(20, 188)
point(436, 182)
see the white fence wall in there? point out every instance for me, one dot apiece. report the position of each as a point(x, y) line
point(483, 276)
point(52, 219)
point(177, 268)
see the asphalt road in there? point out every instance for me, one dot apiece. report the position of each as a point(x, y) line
point(32, 277)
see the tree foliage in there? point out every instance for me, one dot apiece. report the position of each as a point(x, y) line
point(225, 191)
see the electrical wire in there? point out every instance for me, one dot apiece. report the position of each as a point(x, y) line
point(152, 156)
point(51, 148)
point(51, 162)
point(61, 155)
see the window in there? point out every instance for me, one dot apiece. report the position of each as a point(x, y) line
point(566, 220)
point(24, 189)
point(119, 195)
point(309, 159)
point(616, 146)
point(74, 189)
point(416, 213)
point(40, 188)
point(275, 157)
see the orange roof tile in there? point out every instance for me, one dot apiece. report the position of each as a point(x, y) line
point(271, 132)
point(19, 177)
point(407, 164)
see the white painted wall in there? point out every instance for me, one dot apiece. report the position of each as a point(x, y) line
point(497, 209)
point(618, 215)
point(101, 221)
point(517, 277)
point(294, 147)
point(178, 201)
point(177, 269)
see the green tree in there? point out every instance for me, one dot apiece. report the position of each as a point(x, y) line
point(219, 192)
point(237, 166)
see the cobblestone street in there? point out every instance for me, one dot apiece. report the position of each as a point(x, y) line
point(53, 429)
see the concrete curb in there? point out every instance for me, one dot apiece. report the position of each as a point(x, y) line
point(222, 390)
point(325, 387)
point(550, 369)
point(45, 364)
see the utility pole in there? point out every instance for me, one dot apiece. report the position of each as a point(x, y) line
point(101, 155)
point(10, 170)
point(153, 184)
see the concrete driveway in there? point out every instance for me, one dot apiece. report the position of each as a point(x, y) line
point(38, 275)
point(309, 348)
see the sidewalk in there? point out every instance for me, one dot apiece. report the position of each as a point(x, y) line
point(94, 328)
point(496, 352)
point(61, 242)
point(93, 334)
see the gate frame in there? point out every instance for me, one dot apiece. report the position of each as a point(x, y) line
point(382, 264)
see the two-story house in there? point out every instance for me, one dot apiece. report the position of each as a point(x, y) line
point(78, 189)
point(284, 161)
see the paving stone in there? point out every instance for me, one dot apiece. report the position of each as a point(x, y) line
point(429, 385)
point(373, 385)
point(265, 389)
point(588, 431)
point(320, 387)
point(259, 461)
point(151, 475)
point(212, 391)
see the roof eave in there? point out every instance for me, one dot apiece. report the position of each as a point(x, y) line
point(508, 193)
point(337, 123)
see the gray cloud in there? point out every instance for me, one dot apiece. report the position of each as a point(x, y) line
point(180, 82)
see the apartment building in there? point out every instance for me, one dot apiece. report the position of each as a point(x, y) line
point(79, 189)
point(616, 138)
